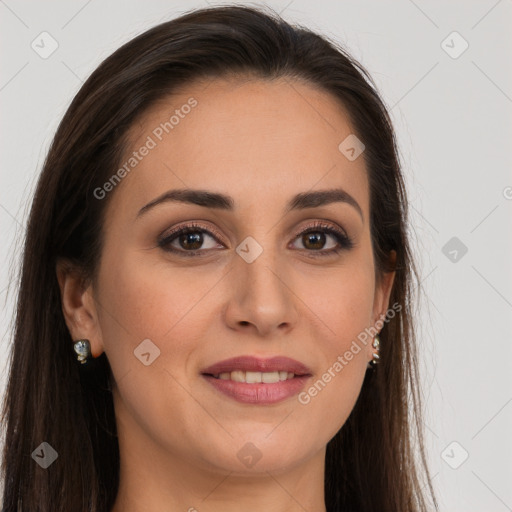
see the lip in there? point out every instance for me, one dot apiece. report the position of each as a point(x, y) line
point(256, 364)
point(258, 393)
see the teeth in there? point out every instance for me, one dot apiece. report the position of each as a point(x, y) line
point(252, 377)
point(270, 377)
point(255, 377)
point(238, 376)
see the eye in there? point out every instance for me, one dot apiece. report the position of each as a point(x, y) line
point(191, 237)
point(314, 238)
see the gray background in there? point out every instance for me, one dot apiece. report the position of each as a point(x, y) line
point(453, 116)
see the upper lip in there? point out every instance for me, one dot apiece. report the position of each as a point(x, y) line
point(255, 364)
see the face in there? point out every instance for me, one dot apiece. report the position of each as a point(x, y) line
point(257, 273)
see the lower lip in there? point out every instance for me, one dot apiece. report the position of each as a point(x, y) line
point(259, 393)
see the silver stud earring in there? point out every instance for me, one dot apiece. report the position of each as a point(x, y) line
point(376, 357)
point(82, 350)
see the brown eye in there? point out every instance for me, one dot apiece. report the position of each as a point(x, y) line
point(191, 241)
point(188, 240)
point(314, 239)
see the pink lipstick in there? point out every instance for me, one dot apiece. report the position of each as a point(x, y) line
point(253, 380)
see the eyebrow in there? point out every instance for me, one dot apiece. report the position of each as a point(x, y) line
point(220, 201)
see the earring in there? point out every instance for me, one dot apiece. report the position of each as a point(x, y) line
point(376, 357)
point(82, 350)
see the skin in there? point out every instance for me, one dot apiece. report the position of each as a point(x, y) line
point(260, 142)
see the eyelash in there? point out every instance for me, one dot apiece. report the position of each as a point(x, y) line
point(344, 241)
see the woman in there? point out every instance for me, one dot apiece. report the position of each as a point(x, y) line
point(215, 302)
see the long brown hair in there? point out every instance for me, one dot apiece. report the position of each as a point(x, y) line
point(371, 463)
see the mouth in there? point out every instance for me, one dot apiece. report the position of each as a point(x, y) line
point(258, 381)
point(253, 369)
point(254, 377)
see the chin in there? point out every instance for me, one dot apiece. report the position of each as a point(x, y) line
point(253, 454)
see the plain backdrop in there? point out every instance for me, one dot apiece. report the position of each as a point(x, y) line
point(444, 71)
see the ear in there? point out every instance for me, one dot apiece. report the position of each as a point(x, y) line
point(383, 291)
point(78, 306)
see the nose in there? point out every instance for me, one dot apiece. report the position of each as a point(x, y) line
point(261, 298)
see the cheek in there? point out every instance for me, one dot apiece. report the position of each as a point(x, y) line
point(141, 301)
point(343, 301)
point(328, 401)
point(344, 306)
point(148, 302)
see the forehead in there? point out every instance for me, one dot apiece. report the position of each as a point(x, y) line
point(252, 138)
